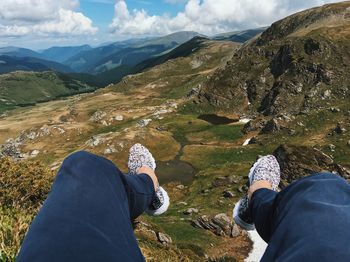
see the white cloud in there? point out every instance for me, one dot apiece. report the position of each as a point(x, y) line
point(43, 17)
point(206, 16)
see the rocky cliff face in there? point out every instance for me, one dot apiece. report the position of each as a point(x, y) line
point(299, 64)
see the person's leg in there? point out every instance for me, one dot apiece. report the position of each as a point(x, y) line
point(307, 221)
point(87, 215)
point(262, 207)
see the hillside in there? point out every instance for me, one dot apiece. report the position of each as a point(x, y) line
point(19, 52)
point(239, 36)
point(299, 64)
point(12, 63)
point(128, 53)
point(28, 88)
point(62, 53)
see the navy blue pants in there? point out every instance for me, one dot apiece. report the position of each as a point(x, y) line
point(88, 214)
point(307, 221)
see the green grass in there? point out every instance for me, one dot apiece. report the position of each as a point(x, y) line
point(29, 88)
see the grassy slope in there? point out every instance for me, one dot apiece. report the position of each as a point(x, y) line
point(28, 88)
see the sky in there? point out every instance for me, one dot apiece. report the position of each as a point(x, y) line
point(39, 24)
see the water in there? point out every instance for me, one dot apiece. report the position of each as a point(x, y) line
point(175, 170)
point(217, 120)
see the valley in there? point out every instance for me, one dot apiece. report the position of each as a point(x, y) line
point(206, 109)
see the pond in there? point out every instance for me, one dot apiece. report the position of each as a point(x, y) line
point(175, 171)
point(217, 120)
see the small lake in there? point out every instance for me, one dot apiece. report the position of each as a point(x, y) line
point(217, 120)
point(175, 171)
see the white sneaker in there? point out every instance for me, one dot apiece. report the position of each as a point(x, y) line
point(140, 156)
point(265, 168)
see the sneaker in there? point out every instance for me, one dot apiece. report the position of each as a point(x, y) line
point(140, 156)
point(265, 168)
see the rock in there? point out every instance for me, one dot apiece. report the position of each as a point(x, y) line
point(253, 125)
point(272, 126)
point(144, 122)
point(98, 116)
point(34, 153)
point(161, 128)
point(326, 94)
point(339, 129)
point(223, 181)
point(224, 223)
point(228, 194)
point(194, 92)
point(181, 187)
point(205, 191)
point(334, 110)
point(110, 150)
point(118, 118)
point(191, 211)
point(348, 143)
point(220, 225)
point(332, 147)
point(95, 141)
point(11, 148)
point(300, 161)
point(164, 239)
point(235, 232)
point(254, 140)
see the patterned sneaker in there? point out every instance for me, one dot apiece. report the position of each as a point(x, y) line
point(140, 156)
point(265, 168)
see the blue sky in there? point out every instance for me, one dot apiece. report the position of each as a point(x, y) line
point(40, 24)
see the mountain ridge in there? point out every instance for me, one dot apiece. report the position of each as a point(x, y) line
point(287, 71)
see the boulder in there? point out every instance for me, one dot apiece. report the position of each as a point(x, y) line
point(164, 239)
point(220, 225)
point(253, 125)
point(271, 126)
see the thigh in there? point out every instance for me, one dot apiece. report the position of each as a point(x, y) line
point(86, 216)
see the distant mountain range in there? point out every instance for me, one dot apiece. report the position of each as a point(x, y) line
point(77, 69)
point(14, 63)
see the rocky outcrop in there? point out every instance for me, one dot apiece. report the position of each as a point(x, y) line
point(300, 161)
point(290, 68)
point(220, 225)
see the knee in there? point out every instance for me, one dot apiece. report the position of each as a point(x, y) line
point(79, 156)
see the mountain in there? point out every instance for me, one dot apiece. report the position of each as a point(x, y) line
point(169, 40)
point(127, 53)
point(300, 63)
point(14, 63)
point(27, 88)
point(239, 36)
point(19, 52)
point(60, 54)
point(183, 50)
